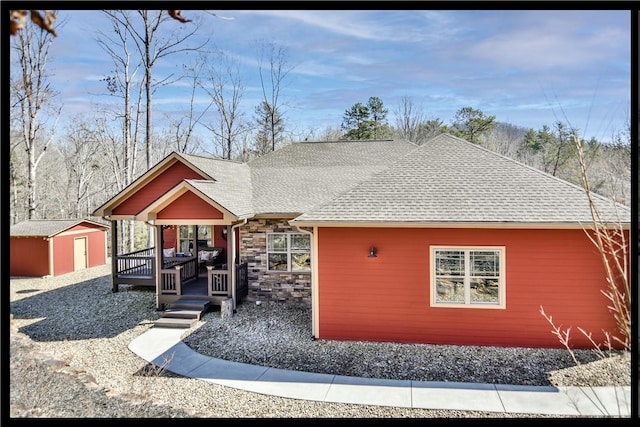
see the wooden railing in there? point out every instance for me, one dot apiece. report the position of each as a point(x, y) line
point(218, 282)
point(242, 281)
point(179, 270)
point(139, 267)
point(139, 263)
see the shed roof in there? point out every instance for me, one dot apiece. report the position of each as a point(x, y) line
point(49, 227)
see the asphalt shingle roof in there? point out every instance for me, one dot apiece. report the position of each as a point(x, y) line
point(300, 176)
point(46, 227)
point(448, 179)
point(445, 180)
point(231, 187)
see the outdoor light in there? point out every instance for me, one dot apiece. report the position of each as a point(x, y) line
point(372, 252)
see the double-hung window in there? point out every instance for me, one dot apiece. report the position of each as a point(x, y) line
point(468, 277)
point(289, 252)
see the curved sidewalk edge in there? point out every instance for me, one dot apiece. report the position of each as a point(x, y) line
point(163, 347)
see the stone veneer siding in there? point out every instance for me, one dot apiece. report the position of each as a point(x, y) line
point(270, 285)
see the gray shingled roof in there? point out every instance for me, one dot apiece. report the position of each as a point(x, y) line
point(234, 195)
point(445, 180)
point(47, 227)
point(302, 175)
point(215, 167)
point(231, 187)
point(451, 180)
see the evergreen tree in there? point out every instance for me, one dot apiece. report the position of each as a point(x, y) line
point(366, 121)
point(470, 124)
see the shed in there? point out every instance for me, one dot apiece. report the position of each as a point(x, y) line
point(53, 247)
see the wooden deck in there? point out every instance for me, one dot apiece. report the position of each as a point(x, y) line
point(179, 276)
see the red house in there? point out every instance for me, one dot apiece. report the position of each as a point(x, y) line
point(443, 243)
point(53, 247)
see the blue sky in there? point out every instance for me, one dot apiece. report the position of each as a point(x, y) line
point(527, 68)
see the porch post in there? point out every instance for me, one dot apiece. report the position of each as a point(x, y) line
point(231, 263)
point(158, 263)
point(114, 255)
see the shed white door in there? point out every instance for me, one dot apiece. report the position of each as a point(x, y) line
point(79, 253)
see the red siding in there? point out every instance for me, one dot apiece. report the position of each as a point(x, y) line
point(97, 249)
point(63, 253)
point(29, 256)
point(169, 237)
point(387, 298)
point(63, 250)
point(155, 188)
point(189, 206)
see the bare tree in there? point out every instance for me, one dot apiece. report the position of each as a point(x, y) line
point(412, 125)
point(271, 107)
point(121, 83)
point(33, 94)
point(506, 139)
point(80, 153)
point(612, 244)
point(185, 126)
point(408, 119)
point(152, 46)
point(224, 84)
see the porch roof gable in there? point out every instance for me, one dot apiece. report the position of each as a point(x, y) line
point(106, 209)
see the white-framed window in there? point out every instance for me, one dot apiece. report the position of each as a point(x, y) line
point(470, 277)
point(288, 252)
point(185, 239)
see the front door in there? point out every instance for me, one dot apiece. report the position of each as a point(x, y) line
point(79, 253)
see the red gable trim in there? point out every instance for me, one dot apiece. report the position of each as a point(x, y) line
point(151, 191)
point(189, 206)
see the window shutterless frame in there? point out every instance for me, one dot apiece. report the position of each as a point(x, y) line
point(467, 277)
point(290, 252)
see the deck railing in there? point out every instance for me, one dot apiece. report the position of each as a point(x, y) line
point(242, 281)
point(139, 268)
point(217, 282)
point(175, 273)
point(139, 263)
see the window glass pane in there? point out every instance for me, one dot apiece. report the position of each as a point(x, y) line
point(485, 263)
point(450, 290)
point(186, 239)
point(300, 242)
point(277, 242)
point(450, 263)
point(278, 261)
point(484, 290)
point(300, 261)
point(186, 232)
point(204, 235)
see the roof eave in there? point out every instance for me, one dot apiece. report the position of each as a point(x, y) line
point(451, 224)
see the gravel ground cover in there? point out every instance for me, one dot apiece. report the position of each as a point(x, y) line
point(68, 358)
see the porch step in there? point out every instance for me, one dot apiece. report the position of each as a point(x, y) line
point(190, 304)
point(182, 314)
point(172, 322)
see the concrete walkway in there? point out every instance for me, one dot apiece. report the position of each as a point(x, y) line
point(163, 347)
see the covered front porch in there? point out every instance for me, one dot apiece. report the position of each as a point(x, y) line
point(207, 272)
